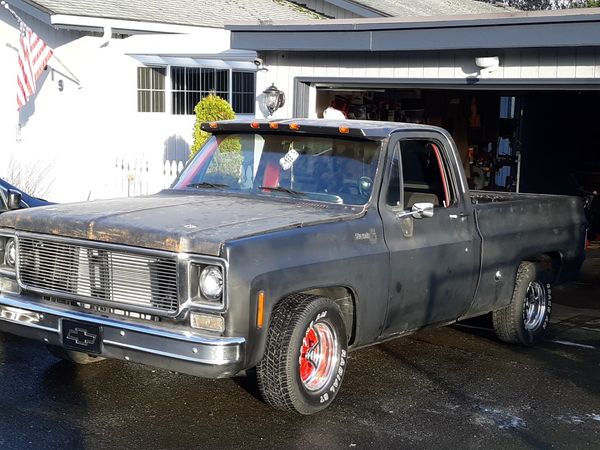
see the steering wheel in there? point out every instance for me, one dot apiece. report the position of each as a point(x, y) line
point(361, 187)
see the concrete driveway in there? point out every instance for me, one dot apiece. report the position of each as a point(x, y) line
point(455, 387)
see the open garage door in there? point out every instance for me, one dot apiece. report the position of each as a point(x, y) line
point(510, 140)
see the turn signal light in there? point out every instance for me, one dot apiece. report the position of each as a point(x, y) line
point(344, 130)
point(213, 125)
point(294, 126)
point(255, 125)
point(260, 309)
point(274, 125)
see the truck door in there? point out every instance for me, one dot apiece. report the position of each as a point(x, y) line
point(433, 260)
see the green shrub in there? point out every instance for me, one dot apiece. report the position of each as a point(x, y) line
point(226, 165)
point(209, 109)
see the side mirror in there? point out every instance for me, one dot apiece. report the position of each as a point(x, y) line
point(418, 211)
point(422, 210)
point(14, 200)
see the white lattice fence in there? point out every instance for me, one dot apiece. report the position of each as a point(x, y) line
point(142, 176)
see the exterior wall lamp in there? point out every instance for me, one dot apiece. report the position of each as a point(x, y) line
point(274, 98)
point(487, 65)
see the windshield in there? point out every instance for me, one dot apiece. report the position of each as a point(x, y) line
point(317, 168)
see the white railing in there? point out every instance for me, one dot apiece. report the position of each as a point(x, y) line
point(143, 176)
point(144, 173)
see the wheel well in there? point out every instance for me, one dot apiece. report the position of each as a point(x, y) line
point(550, 262)
point(344, 298)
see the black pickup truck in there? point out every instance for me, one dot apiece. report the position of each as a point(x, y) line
point(282, 246)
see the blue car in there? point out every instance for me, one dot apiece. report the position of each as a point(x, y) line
point(27, 201)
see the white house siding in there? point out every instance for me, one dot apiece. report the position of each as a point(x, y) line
point(30, 149)
point(528, 64)
point(91, 137)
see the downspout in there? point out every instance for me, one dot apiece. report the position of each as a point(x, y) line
point(106, 36)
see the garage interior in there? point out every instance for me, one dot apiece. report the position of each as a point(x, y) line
point(537, 141)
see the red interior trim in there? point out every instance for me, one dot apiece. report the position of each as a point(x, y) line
point(192, 171)
point(271, 175)
point(438, 156)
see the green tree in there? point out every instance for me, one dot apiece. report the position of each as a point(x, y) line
point(209, 109)
point(531, 5)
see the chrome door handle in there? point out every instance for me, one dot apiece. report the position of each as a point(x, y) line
point(462, 216)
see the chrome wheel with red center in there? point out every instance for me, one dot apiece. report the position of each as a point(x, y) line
point(306, 354)
point(318, 356)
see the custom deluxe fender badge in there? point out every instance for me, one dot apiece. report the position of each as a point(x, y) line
point(370, 236)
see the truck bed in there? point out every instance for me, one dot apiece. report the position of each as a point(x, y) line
point(516, 227)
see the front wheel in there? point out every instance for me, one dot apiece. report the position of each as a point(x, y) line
point(525, 319)
point(305, 357)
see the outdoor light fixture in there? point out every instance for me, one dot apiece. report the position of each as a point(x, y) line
point(274, 99)
point(487, 64)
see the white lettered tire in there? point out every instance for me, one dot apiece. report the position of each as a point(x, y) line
point(306, 355)
point(525, 319)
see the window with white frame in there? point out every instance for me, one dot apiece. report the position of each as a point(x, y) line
point(151, 89)
point(189, 85)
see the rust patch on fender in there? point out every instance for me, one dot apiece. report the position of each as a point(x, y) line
point(172, 244)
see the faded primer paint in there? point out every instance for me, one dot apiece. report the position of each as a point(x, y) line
point(397, 282)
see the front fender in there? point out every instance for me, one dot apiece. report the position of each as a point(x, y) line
point(302, 259)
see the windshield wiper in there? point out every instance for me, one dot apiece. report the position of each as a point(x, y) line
point(206, 184)
point(283, 189)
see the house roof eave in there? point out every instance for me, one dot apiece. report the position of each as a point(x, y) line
point(122, 25)
point(569, 28)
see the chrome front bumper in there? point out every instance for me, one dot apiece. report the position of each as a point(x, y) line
point(173, 350)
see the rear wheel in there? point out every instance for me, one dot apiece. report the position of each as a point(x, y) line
point(525, 320)
point(305, 358)
point(71, 356)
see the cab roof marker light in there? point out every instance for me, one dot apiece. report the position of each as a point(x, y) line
point(344, 130)
point(294, 126)
point(274, 125)
point(213, 125)
point(255, 125)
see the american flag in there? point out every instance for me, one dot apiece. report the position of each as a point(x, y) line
point(33, 57)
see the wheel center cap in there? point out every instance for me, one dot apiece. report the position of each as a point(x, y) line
point(313, 356)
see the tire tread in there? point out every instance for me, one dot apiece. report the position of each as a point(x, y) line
point(508, 321)
point(276, 365)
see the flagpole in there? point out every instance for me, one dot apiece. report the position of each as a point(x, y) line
point(21, 21)
point(70, 75)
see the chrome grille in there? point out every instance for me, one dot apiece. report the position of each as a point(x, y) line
point(98, 274)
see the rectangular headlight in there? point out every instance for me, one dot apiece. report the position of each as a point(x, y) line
point(8, 253)
point(206, 285)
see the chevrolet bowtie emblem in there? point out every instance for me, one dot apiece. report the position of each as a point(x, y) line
point(81, 336)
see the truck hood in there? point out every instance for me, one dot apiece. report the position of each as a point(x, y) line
point(191, 223)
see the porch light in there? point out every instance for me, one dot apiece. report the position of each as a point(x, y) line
point(274, 99)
